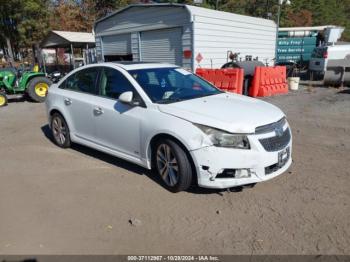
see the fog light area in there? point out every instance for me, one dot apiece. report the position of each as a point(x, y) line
point(242, 173)
point(233, 173)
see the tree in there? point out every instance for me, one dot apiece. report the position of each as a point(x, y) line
point(8, 24)
point(299, 13)
point(23, 23)
point(33, 24)
point(68, 15)
point(302, 18)
point(105, 7)
point(80, 15)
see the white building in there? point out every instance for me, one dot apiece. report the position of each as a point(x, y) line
point(179, 34)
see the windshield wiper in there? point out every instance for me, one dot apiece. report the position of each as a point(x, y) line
point(210, 94)
point(170, 100)
point(178, 99)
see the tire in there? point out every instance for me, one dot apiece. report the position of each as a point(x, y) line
point(60, 131)
point(3, 99)
point(163, 160)
point(37, 88)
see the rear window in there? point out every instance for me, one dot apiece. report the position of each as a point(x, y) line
point(319, 52)
point(82, 81)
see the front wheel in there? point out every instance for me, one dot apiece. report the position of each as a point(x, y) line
point(172, 164)
point(3, 99)
point(37, 88)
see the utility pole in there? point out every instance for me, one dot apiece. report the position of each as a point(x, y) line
point(280, 3)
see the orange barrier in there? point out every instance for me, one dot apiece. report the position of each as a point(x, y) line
point(269, 81)
point(229, 79)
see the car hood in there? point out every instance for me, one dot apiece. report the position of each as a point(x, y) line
point(229, 112)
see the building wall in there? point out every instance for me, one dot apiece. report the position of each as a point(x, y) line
point(138, 19)
point(216, 33)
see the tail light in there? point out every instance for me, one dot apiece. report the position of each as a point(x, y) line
point(325, 54)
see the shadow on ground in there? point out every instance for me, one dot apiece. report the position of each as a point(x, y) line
point(18, 99)
point(345, 91)
point(120, 163)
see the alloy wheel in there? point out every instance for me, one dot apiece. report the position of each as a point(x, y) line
point(59, 130)
point(167, 165)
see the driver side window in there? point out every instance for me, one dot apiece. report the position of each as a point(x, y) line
point(113, 83)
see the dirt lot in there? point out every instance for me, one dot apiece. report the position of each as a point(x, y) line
point(80, 201)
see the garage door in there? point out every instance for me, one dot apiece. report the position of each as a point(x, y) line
point(116, 45)
point(162, 46)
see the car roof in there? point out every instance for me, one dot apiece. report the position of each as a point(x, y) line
point(127, 65)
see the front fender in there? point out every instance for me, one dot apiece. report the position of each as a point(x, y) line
point(185, 132)
point(26, 77)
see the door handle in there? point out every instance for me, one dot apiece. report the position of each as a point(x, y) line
point(98, 111)
point(67, 101)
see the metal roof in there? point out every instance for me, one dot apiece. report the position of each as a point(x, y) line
point(192, 10)
point(135, 5)
point(66, 38)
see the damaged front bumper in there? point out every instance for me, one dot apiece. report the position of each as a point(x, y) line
point(219, 167)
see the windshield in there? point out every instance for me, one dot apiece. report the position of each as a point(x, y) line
point(169, 85)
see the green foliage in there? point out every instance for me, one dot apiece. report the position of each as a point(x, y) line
point(25, 22)
point(318, 12)
point(299, 13)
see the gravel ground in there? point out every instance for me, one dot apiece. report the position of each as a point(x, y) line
point(80, 201)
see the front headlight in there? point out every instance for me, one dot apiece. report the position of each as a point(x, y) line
point(224, 139)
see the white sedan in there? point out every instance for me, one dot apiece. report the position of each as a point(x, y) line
point(165, 118)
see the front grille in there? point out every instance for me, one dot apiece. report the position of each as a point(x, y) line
point(276, 143)
point(270, 127)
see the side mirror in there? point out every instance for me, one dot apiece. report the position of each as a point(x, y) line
point(126, 97)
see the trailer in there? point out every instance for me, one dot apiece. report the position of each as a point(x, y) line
point(188, 36)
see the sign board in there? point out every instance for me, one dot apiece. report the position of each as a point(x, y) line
point(199, 58)
point(297, 41)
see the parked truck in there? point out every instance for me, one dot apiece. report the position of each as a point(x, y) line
point(296, 48)
point(296, 45)
point(331, 60)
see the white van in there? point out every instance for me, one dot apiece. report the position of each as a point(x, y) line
point(322, 55)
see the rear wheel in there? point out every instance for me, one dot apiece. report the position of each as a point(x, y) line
point(172, 164)
point(3, 99)
point(60, 131)
point(37, 88)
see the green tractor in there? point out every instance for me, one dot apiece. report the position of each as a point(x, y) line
point(14, 84)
